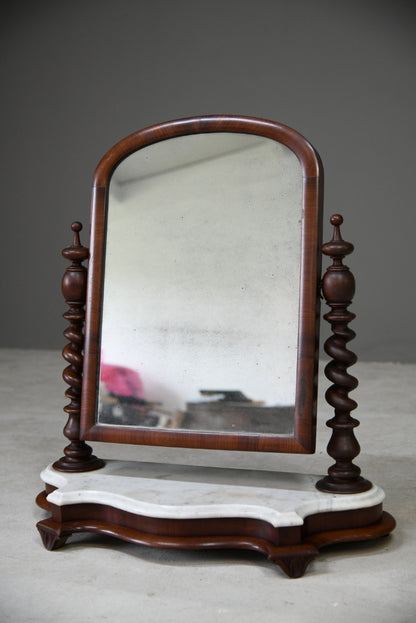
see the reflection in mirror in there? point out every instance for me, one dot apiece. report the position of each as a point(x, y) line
point(205, 335)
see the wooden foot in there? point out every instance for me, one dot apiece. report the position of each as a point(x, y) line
point(295, 564)
point(51, 534)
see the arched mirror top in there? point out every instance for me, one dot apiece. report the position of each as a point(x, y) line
point(308, 157)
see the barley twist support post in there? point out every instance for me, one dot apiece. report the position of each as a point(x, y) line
point(78, 455)
point(338, 287)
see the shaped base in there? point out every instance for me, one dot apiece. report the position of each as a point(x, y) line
point(282, 516)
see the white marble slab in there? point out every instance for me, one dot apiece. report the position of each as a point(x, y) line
point(189, 492)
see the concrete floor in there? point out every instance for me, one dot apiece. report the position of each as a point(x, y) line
point(98, 579)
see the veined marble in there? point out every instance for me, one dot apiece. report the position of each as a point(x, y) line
point(191, 492)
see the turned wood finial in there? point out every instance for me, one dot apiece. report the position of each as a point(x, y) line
point(78, 457)
point(338, 287)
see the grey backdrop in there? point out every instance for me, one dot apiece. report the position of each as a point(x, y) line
point(80, 75)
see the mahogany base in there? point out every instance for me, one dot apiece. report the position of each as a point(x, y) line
point(293, 559)
point(292, 547)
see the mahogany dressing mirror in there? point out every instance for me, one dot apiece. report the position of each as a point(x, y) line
point(198, 328)
point(203, 288)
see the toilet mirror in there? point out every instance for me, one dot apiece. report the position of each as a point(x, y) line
point(202, 307)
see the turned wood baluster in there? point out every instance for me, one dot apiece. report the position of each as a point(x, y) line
point(338, 287)
point(78, 457)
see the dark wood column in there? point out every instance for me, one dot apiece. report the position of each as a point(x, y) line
point(338, 287)
point(78, 455)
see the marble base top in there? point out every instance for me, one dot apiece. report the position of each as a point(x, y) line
point(191, 492)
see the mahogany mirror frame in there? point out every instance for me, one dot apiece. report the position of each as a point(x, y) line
point(303, 438)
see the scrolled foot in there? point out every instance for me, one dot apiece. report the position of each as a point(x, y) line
point(295, 563)
point(51, 538)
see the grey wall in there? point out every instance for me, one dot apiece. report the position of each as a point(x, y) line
point(80, 75)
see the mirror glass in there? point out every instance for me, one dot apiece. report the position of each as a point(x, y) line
point(205, 335)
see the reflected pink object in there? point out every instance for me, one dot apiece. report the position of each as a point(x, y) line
point(121, 381)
